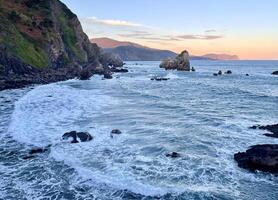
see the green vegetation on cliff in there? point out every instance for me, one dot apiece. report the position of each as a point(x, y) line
point(41, 33)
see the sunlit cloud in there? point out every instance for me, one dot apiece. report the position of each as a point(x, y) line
point(109, 22)
point(200, 37)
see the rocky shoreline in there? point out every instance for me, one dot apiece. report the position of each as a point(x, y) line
point(260, 157)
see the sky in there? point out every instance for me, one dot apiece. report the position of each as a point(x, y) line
point(247, 28)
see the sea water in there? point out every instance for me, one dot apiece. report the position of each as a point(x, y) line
point(202, 117)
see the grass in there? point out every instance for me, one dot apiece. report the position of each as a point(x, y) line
point(69, 38)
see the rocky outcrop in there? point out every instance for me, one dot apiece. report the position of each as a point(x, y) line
point(77, 136)
point(181, 63)
point(159, 78)
point(43, 42)
point(271, 128)
point(260, 157)
point(275, 73)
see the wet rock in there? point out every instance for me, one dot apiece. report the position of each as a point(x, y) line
point(37, 150)
point(215, 74)
point(219, 73)
point(173, 155)
point(28, 157)
point(119, 70)
point(275, 73)
point(159, 79)
point(246, 74)
point(116, 131)
point(259, 157)
point(107, 76)
point(77, 136)
point(193, 69)
point(271, 128)
point(228, 72)
point(181, 62)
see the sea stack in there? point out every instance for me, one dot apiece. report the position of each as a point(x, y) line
point(181, 62)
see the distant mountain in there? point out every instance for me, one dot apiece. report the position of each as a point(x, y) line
point(129, 51)
point(110, 43)
point(221, 57)
point(132, 53)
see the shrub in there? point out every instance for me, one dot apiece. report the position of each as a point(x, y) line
point(14, 16)
point(47, 23)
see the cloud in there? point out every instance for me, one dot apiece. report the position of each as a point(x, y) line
point(109, 22)
point(210, 31)
point(200, 37)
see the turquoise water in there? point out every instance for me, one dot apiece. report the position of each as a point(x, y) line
point(203, 117)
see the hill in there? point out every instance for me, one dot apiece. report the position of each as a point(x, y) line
point(130, 51)
point(42, 41)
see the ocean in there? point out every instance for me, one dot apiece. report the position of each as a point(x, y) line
point(204, 118)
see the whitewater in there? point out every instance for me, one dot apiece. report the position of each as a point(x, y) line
point(202, 117)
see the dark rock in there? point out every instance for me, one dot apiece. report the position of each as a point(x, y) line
point(85, 74)
point(228, 72)
point(259, 157)
point(173, 155)
point(38, 150)
point(119, 70)
point(81, 136)
point(246, 74)
point(271, 128)
point(215, 74)
point(28, 157)
point(219, 72)
point(181, 62)
point(193, 69)
point(275, 73)
point(116, 131)
point(107, 76)
point(159, 79)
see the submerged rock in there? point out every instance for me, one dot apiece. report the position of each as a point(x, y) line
point(275, 73)
point(271, 128)
point(28, 157)
point(181, 62)
point(119, 70)
point(228, 72)
point(215, 74)
point(173, 155)
point(259, 157)
point(159, 79)
point(77, 136)
point(219, 72)
point(38, 150)
point(246, 74)
point(116, 131)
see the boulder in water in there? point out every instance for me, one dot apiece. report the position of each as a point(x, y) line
point(219, 73)
point(271, 128)
point(77, 136)
point(173, 155)
point(181, 62)
point(228, 72)
point(259, 157)
point(116, 131)
point(275, 73)
point(159, 79)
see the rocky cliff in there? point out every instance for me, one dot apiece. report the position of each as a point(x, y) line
point(42, 41)
point(181, 62)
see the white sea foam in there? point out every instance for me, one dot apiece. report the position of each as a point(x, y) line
point(154, 120)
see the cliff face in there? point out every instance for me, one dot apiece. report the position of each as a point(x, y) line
point(42, 35)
